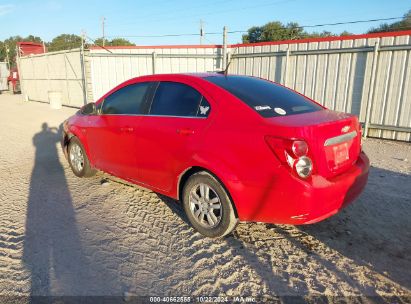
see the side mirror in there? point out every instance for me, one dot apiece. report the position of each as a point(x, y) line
point(89, 109)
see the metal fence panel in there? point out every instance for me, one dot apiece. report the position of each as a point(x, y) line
point(110, 69)
point(53, 72)
point(4, 73)
point(337, 73)
point(344, 74)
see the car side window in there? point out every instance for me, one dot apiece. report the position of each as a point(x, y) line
point(176, 99)
point(127, 100)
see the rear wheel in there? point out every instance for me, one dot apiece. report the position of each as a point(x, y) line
point(208, 206)
point(78, 159)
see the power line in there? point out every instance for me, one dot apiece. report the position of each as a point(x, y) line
point(328, 24)
point(158, 15)
point(245, 31)
point(352, 22)
point(231, 10)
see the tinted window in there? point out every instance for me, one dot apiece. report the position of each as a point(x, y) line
point(267, 98)
point(175, 99)
point(127, 100)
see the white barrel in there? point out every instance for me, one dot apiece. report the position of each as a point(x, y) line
point(55, 99)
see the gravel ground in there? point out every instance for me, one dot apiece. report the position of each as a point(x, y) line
point(61, 235)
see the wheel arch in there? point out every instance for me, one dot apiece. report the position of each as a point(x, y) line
point(66, 141)
point(183, 178)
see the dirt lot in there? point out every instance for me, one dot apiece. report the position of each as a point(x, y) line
point(62, 235)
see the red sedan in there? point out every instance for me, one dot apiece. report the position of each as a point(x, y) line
point(231, 148)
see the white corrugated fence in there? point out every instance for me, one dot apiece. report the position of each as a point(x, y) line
point(367, 75)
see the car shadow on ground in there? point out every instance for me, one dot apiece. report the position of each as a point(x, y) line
point(276, 285)
point(52, 252)
point(373, 232)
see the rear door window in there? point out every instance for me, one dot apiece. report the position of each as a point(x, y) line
point(127, 100)
point(177, 99)
point(265, 97)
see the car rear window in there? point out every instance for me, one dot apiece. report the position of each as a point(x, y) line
point(265, 97)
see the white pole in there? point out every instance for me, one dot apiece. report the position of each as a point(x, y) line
point(372, 88)
point(201, 31)
point(224, 61)
point(102, 28)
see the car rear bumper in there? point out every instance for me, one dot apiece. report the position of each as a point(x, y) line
point(291, 200)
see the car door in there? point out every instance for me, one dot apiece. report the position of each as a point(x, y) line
point(170, 133)
point(112, 135)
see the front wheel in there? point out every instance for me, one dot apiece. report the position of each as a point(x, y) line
point(78, 159)
point(208, 206)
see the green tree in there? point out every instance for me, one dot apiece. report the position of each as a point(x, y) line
point(64, 42)
point(254, 35)
point(404, 24)
point(346, 33)
point(274, 31)
point(320, 34)
point(121, 42)
point(113, 42)
point(11, 44)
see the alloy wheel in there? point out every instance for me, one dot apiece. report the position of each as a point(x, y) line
point(205, 205)
point(76, 157)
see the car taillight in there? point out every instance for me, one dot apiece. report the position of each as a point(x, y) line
point(304, 167)
point(299, 148)
point(294, 153)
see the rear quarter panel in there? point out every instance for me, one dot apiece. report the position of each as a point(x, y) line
point(236, 151)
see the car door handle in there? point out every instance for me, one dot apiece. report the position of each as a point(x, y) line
point(126, 129)
point(185, 132)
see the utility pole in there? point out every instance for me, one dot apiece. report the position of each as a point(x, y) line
point(201, 31)
point(224, 61)
point(103, 19)
point(83, 66)
point(7, 57)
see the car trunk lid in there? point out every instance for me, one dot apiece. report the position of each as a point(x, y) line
point(333, 138)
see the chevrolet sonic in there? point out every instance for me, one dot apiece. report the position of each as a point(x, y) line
point(230, 148)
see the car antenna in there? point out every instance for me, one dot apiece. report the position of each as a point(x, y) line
point(225, 72)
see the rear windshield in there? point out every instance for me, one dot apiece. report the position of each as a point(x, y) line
point(265, 97)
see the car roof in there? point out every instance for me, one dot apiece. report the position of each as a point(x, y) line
point(201, 75)
point(205, 74)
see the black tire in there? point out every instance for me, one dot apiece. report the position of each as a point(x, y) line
point(86, 170)
point(225, 215)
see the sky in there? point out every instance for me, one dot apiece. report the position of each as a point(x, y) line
point(49, 18)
